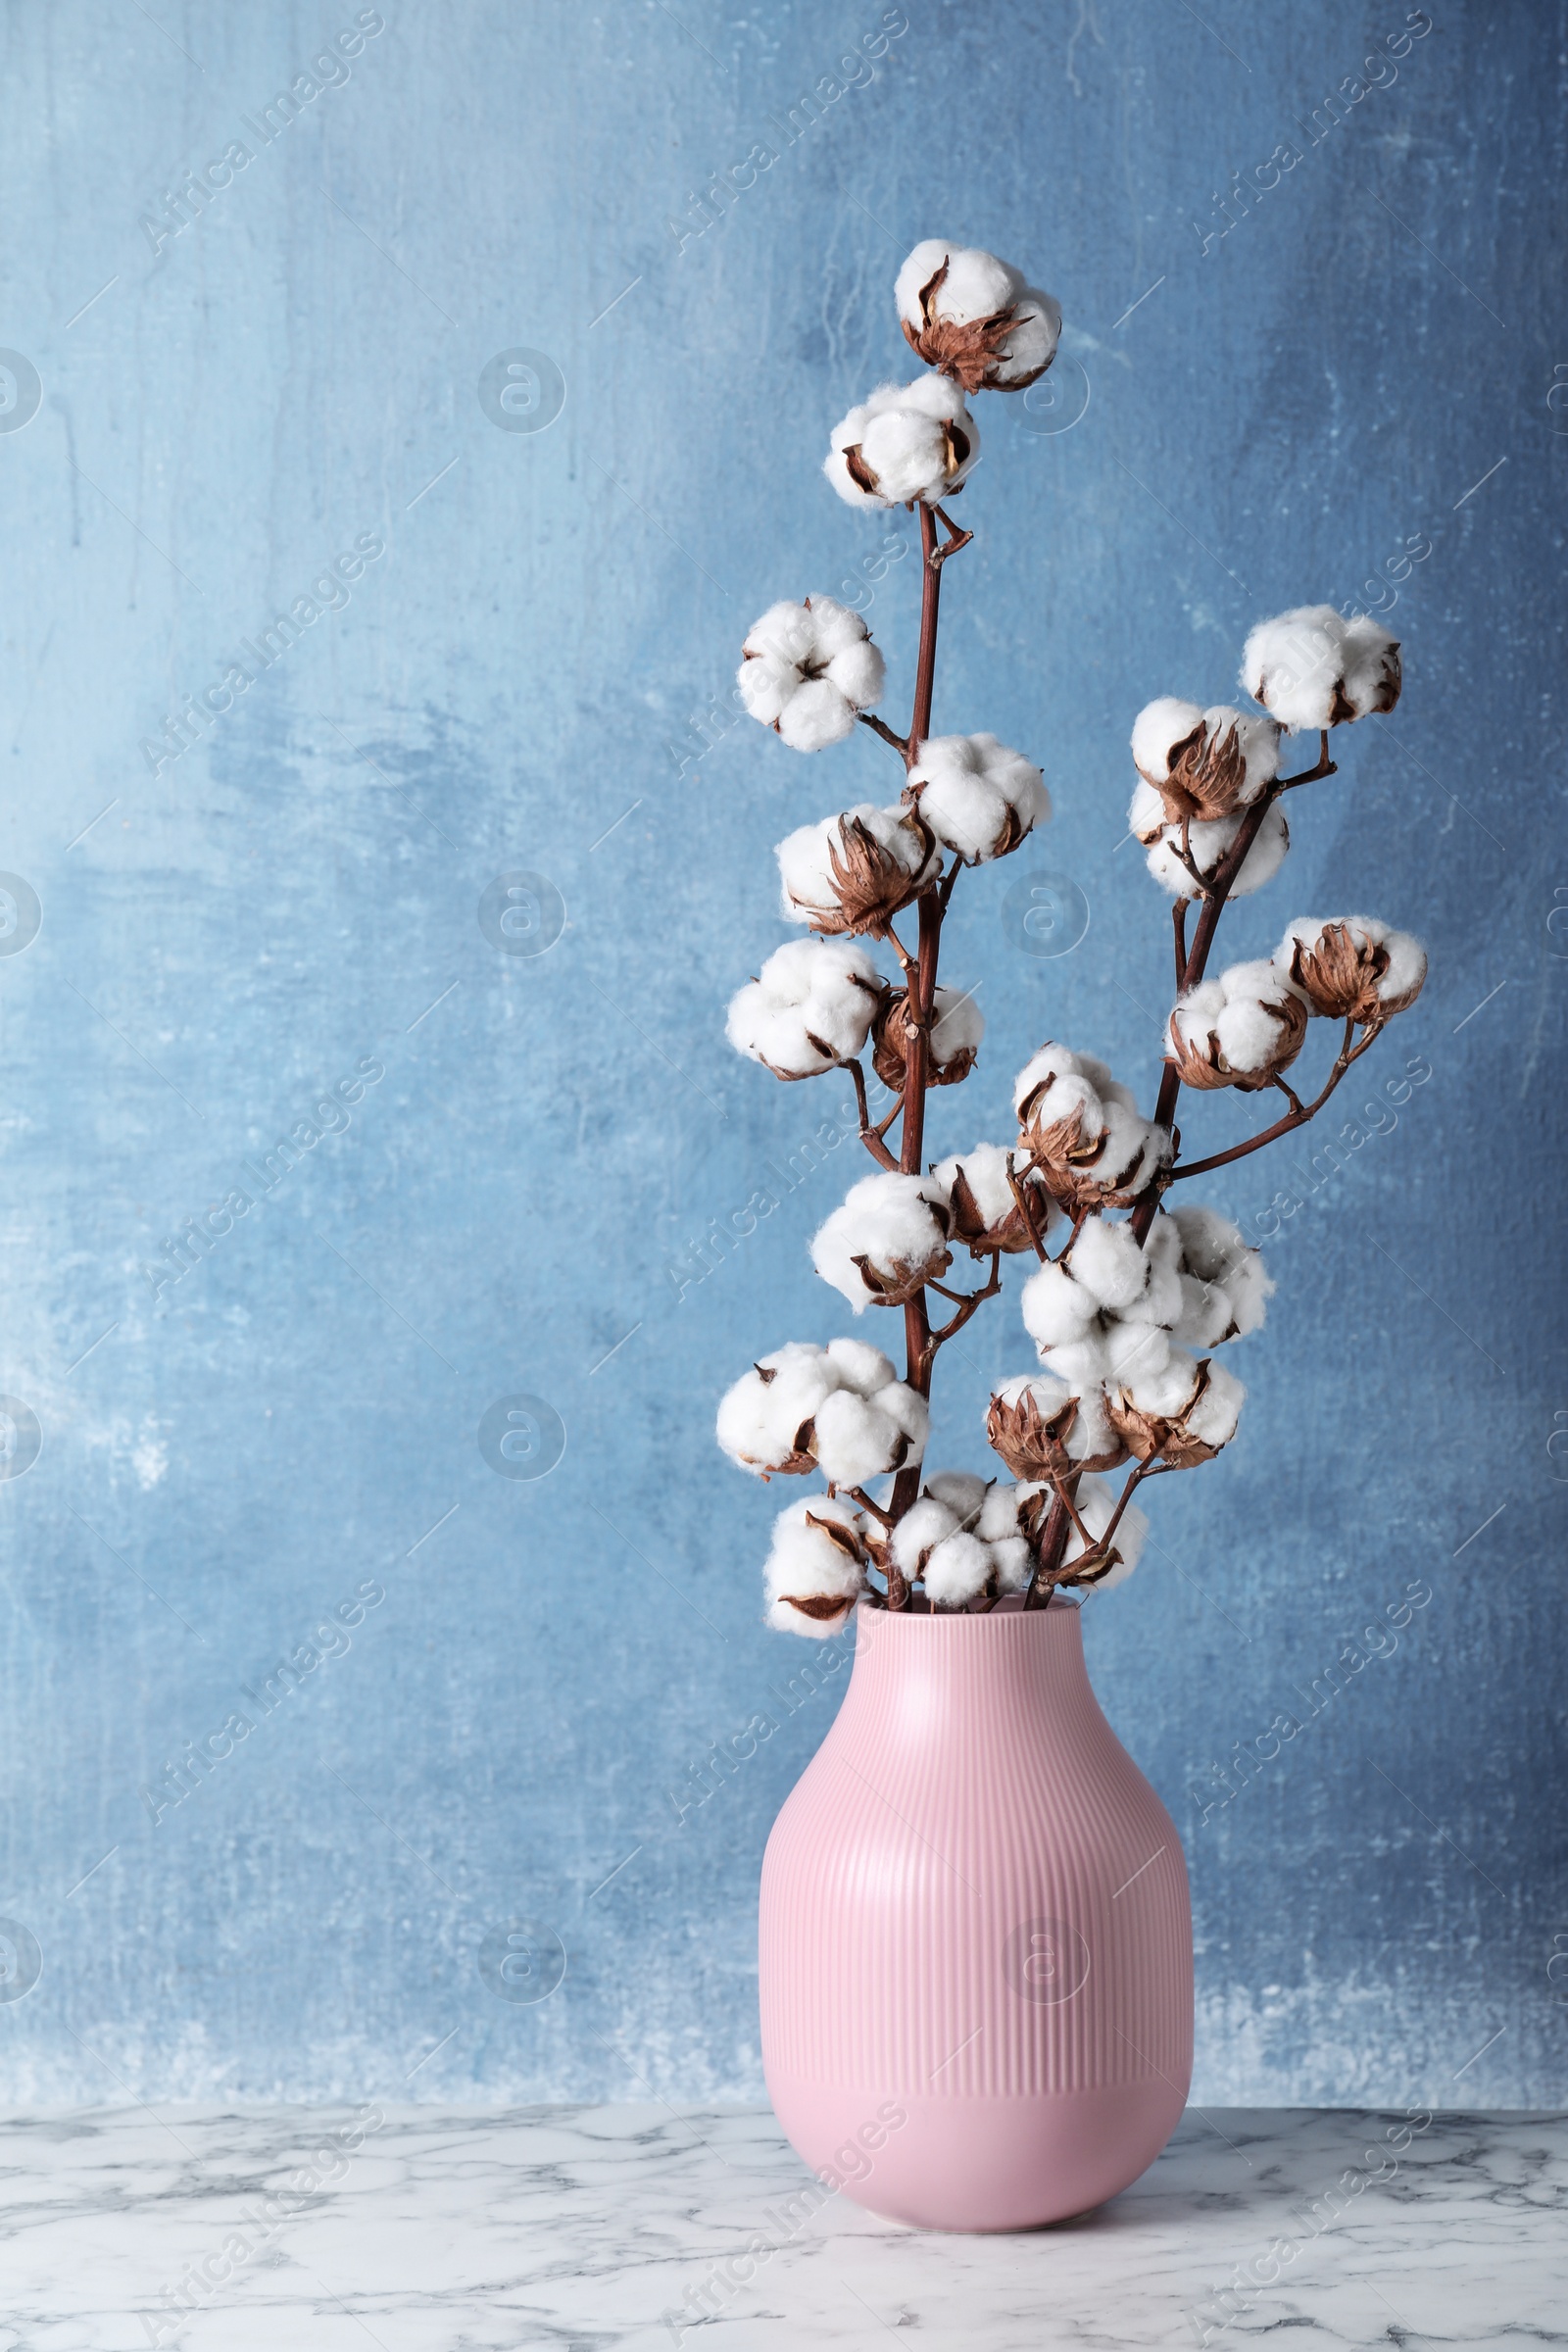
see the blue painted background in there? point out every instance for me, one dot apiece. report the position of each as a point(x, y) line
point(531, 677)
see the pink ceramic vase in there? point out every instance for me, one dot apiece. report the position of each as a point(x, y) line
point(976, 1949)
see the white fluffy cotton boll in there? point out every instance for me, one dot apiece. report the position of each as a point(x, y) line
point(1208, 844)
point(809, 1009)
point(1213, 1250)
point(1058, 1309)
point(760, 1417)
point(888, 1238)
point(1159, 728)
point(975, 283)
point(924, 1525)
point(859, 1366)
point(1096, 1501)
point(1353, 967)
point(808, 669)
point(1250, 1014)
point(1013, 1564)
point(1314, 669)
point(1082, 1366)
point(907, 442)
point(1372, 670)
point(945, 289)
point(1096, 1504)
point(956, 1028)
point(958, 1572)
point(1213, 1418)
point(999, 1513)
point(961, 1490)
point(856, 1439)
point(1294, 665)
point(1135, 1354)
point(1109, 1263)
point(1161, 1388)
point(1031, 343)
point(805, 856)
point(806, 1565)
point(979, 798)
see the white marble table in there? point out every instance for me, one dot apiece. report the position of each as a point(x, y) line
point(597, 2229)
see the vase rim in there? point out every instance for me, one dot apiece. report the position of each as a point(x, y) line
point(1056, 1611)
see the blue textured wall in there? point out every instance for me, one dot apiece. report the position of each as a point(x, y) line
point(518, 683)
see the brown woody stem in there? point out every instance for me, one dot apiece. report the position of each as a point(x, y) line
point(870, 1137)
point(1218, 888)
point(1298, 1118)
point(921, 977)
point(878, 727)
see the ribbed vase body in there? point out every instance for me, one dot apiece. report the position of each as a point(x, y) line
point(976, 1949)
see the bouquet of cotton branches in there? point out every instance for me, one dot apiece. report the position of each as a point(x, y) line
point(1127, 1296)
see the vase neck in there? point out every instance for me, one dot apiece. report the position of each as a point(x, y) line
point(920, 1673)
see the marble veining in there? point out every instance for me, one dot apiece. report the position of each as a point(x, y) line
point(621, 2229)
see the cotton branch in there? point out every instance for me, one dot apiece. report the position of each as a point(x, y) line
point(871, 1137)
point(966, 1302)
point(869, 719)
point(1216, 891)
point(1296, 1117)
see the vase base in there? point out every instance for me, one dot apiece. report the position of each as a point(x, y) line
point(980, 2164)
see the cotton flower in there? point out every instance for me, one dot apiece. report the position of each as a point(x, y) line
point(961, 1538)
point(815, 1570)
point(1352, 967)
point(1313, 670)
point(963, 1490)
point(1241, 1029)
point(1184, 1414)
point(956, 1027)
point(1042, 1430)
point(1095, 1504)
point(907, 442)
point(854, 872)
point(973, 317)
point(984, 1208)
point(808, 670)
point(1207, 846)
point(1223, 1282)
point(977, 797)
point(1083, 1130)
point(809, 1009)
point(958, 1572)
point(887, 1240)
point(840, 1409)
point(1204, 763)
